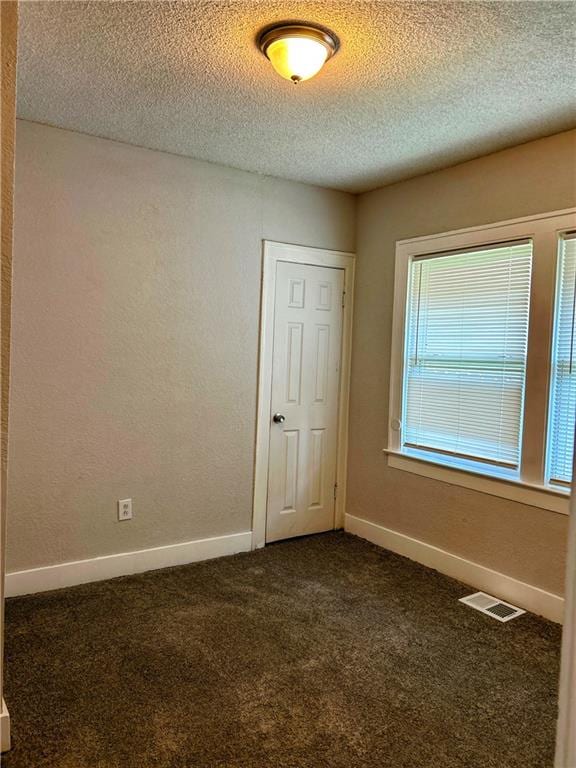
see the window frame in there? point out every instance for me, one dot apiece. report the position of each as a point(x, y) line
point(570, 235)
point(543, 230)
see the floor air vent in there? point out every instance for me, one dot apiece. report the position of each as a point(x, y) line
point(498, 609)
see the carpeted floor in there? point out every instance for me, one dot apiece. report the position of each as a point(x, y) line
point(323, 651)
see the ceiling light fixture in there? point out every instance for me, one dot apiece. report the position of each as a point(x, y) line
point(297, 51)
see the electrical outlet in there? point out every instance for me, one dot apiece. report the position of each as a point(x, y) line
point(125, 509)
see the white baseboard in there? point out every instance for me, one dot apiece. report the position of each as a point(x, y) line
point(123, 564)
point(478, 576)
point(4, 728)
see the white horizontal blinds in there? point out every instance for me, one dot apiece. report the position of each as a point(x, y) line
point(563, 382)
point(467, 332)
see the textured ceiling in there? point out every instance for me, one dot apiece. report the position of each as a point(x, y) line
point(416, 86)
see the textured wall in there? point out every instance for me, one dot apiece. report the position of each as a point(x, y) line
point(8, 45)
point(522, 541)
point(136, 305)
point(135, 341)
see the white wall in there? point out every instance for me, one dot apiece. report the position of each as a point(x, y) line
point(135, 336)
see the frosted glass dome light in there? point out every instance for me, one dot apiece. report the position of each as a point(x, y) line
point(297, 51)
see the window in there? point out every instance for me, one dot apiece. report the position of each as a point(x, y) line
point(467, 333)
point(563, 374)
point(483, 381)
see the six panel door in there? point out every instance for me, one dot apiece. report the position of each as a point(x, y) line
point(304, 403)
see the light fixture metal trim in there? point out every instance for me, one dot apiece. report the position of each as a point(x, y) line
point(286, 30)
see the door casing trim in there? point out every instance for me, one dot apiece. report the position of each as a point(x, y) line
point(273, 252)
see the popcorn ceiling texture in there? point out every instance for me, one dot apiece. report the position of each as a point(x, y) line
point(415, 87)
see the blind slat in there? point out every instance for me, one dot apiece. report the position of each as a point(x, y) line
point(563, 382)
point(465, 354)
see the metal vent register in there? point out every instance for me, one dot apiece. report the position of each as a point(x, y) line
point(498, 609)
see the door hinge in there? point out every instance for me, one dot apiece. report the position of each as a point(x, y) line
point(343, 299)
point(335, 490)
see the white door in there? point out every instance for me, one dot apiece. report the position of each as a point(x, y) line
point(304, 403)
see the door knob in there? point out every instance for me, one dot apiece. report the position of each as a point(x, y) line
point(278, 418)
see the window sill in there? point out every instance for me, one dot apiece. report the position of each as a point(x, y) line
point(552, 499)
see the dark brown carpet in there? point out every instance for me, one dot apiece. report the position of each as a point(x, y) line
point(323, 651)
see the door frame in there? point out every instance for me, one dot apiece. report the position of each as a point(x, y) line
point(273, 252)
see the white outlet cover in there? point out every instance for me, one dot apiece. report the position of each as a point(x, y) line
point(125, 509)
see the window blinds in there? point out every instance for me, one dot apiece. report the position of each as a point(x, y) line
point(465, 356)
point(563, 380)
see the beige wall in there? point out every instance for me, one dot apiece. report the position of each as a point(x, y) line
point(521, 541)
point(8, 46)
point(135, 345)
point(136, 306)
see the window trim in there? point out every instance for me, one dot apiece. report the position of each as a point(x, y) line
point(543, 230)
point(571, 235)
point(543, 497)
